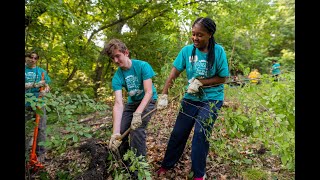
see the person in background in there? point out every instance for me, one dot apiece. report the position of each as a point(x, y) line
point(275, 70)
point(206, 64)
point(254, 76)
point(33, 83)
point(135, 76)
point(236, 81)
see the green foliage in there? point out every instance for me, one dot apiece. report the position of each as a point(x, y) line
point(44, 175)
point(251, 32)
point(117, 170)
point(287, 60)
point(62, 110)
point(138, 164)
point(73, 131)
point(176, 87)
point(65, 105)
point(266, 113)
point(35, 102)
point(59, 31)
point(255, 174)
point(65, 175)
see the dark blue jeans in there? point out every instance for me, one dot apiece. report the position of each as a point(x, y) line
point(202, 116)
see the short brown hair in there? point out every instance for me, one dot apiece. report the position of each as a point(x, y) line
point(112, 45)
point(28, 54)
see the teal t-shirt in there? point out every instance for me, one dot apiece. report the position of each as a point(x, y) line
point(132, 80)
point(33, 75)
point(198, 70)
point(276, 68)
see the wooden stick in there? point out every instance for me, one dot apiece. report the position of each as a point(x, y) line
point(128, 130)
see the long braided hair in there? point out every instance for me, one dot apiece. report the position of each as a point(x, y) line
point(210, 25)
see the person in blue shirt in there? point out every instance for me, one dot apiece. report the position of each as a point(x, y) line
point(135, 77)
point(275, 70)
point(206, 66)
point(33, 83)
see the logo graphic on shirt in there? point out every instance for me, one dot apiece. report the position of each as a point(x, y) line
point(199, 67)
point(30, 76)
point(135, 92)
point(133, 85)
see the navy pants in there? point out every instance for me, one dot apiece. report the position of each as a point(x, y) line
point(202, 116)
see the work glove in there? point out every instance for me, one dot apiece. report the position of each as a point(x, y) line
point(162, 101)
point(194, 86)
point(28, 85)
point(43, 93)
point(115, 142)
point(39, 84)
point(136, 121)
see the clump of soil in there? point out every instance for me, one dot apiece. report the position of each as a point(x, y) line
point(98, 165)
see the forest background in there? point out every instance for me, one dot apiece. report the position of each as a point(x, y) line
point(69, 37)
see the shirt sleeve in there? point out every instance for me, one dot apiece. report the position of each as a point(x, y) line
point(147, 71)
point(117, 83)
point(180, 61)
point(222, 63)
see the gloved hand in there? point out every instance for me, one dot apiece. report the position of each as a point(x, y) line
point(136, 121)
point(194, 86)
point(115, 142)
point(40, 84)
point(28, 85)
point(162, 101)
point(43, 93)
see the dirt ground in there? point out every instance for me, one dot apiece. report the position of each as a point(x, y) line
point(92, 156)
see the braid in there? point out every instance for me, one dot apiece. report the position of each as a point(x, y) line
point(193, 53)
point(211, 54)
point(198, 20)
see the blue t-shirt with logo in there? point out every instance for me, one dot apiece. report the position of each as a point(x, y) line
point(132, 80)
point(198, 69)
point(33, 75)
point(276, 68)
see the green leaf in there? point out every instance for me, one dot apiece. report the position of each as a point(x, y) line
point(248, 161)
point(75, 138)
point(87, 135)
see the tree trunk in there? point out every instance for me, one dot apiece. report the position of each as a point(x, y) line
point(98, 74)
point(97, 80)
point(71, 75)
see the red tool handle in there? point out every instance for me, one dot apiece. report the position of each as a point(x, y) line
point(33, 162)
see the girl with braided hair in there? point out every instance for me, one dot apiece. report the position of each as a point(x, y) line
point(206, 66)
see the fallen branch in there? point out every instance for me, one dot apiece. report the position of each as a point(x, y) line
point(87, 119)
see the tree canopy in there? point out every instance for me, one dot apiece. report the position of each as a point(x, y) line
point(69, 35)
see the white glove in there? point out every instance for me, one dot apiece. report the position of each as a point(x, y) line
point(162, 101)
point(136, 121)
point(43, 93)
point(28, 85)
point(194, 86)
point(115, 142)
point(40, 84)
